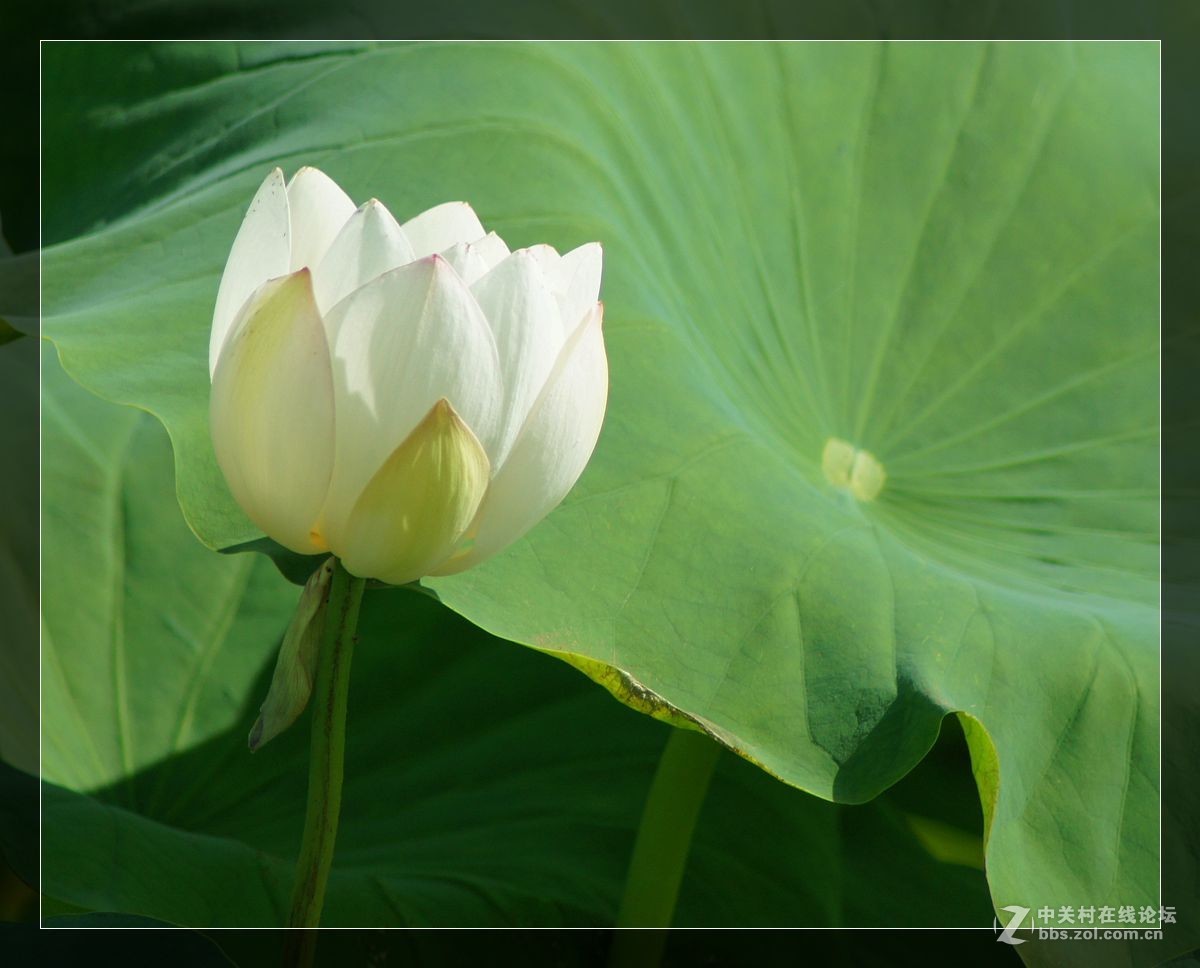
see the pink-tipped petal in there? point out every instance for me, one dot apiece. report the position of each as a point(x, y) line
point(400, 343)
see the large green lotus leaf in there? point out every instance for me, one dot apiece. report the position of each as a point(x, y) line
point(943, 254)
point(485, 784)
point(118, 569)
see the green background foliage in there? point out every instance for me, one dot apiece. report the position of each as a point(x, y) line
point(945, 254)
point(486, 785)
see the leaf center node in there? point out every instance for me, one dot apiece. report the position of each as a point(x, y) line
point(852, 469)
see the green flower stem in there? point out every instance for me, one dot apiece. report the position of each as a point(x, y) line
point(325, 764)
point(660, 852)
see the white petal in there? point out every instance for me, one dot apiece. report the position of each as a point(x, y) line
point(473, 260)
point(551, 451)
point(577, 282)
point(319, 210)
point(491, 249)
point(369, 244)
point(548, 258)
point(400, 343)
point(260, 252)
point(442, 226)
point(524, 317)
point(465, 261)
point(419, 502)
point(271, 412)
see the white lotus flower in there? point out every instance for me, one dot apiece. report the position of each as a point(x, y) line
point(411, 398)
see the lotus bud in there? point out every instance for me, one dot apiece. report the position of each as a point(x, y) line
point(411, 398)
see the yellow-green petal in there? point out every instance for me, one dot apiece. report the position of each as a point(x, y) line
point(271, 412)
point(418, 504)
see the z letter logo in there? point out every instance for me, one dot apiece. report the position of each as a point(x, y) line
point(1018, 915)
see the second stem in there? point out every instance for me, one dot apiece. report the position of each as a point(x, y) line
point(660, 851)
